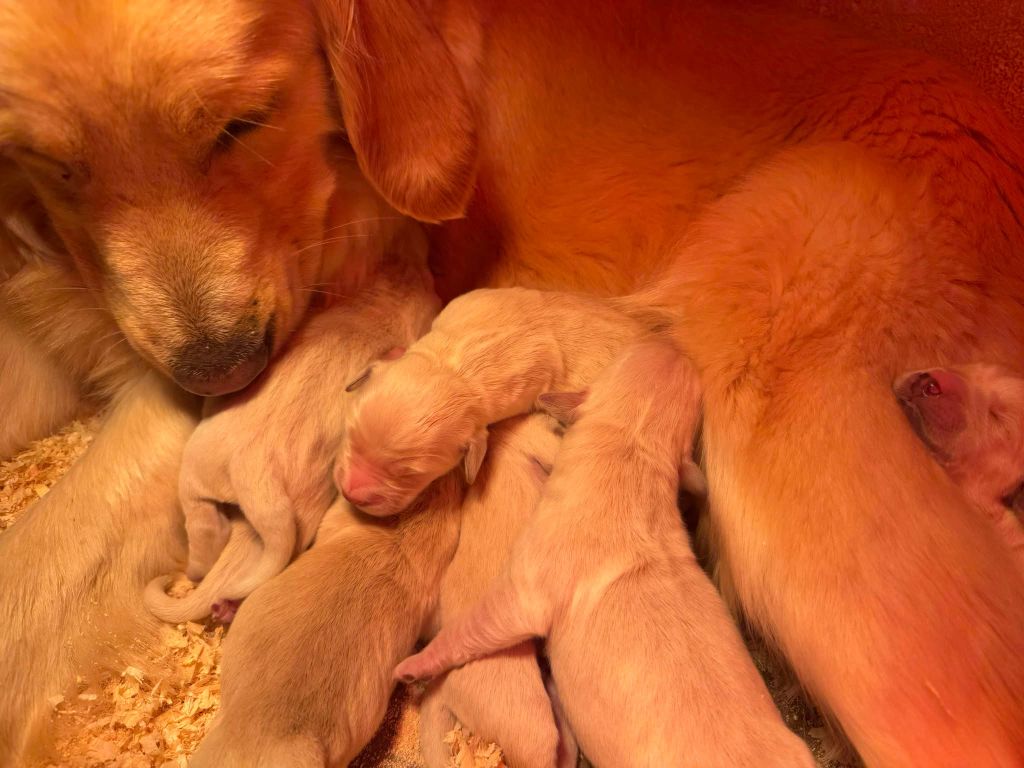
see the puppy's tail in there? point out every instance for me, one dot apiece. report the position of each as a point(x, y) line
point(240, 556)
point(504, 617)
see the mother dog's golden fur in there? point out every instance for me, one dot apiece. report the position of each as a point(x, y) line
point(599, 133)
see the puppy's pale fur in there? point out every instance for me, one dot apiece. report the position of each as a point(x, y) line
point(501, 698)
point(306, 670)
point(972, 419)
point(270, 449)
point(487, 357)
point(605, 573)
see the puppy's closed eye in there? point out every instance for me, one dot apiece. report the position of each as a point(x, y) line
point(359, 380)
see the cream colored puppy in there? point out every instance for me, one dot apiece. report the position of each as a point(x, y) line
point(487, 357)
point(501, 698)
point(307, 664)
point(269, 449)
point(635, 631)
point(971, 417)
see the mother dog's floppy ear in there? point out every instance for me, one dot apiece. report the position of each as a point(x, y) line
point(405, 107)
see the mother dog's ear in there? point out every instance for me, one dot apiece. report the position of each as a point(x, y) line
point(405, 107)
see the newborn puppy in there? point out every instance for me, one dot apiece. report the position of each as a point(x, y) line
point(501, 698)
point(306, 674)
point(487, 357)
point(971, 418)
point(269, 449)
point(636, 633)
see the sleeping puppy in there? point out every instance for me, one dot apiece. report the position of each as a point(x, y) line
point(487, 357)
point(306, 674)
point(270, 449)
point(501, 698)
point(971, 418)
point(604, 572)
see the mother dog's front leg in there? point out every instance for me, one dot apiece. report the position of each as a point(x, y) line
point(56, 345)
point(72, 568)
point(858, 556)
point(37, 395)
point(307, 665)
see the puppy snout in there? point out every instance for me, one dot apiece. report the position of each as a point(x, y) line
point(360, 486)
point(210, 366)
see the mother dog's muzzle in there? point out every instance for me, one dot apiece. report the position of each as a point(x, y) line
point(208, 366)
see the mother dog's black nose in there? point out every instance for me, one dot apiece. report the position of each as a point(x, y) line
point(207, 366)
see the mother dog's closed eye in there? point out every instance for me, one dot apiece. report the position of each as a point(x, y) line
point(187, 153)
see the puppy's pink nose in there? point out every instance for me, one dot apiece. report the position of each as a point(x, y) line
point(360, 485)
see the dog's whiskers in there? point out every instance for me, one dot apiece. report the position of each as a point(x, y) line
point(247, 121)
point(248, 149)
point(327, 241)
point(362, 221)
point(323, 292)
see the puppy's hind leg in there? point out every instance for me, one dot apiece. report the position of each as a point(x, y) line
point(503, 617)
point(207, 526)
point(273, 517)
point(503, 699)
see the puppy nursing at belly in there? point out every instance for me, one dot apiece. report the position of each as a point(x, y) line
point(487, 357)
point(604, 571)
point(501, 698)
point(971, 418)
point(269, 449)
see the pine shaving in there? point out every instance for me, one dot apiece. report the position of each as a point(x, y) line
point(469, 751)
point(134, 721)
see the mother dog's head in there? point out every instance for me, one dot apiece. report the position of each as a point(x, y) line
point(188, 153)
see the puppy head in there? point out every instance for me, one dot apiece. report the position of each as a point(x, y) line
point(413, 423)
point(972, 419)
point(187, 151)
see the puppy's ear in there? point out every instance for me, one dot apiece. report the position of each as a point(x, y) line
point(561, 405)
point(405, 107)
point(393, 354)
point(475, 452)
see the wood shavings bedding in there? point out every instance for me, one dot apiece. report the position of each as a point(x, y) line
point(131, 720)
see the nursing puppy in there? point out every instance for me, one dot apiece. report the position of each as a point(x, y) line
point(971, 418)
point(487, 357)
point(307, 664)
point(605, 573)
point(269, 450)
point(501, 698)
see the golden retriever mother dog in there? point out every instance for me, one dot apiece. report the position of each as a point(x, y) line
point(184, 154)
